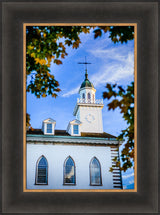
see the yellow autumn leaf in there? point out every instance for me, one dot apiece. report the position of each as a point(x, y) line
point(30, 47)
point(37, 60)
point(44, 95)
point(33, 55)
point(42, 62)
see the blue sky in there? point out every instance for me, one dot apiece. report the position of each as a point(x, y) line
point(110, 63)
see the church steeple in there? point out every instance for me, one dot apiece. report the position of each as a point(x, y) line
point(88, 109)
point(86, 83)
point(86, 75)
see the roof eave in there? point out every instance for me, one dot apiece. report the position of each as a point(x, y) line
point(87, 88)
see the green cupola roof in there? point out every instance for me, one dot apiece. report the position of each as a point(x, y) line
point(86, 82)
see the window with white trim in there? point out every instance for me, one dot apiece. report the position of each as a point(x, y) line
point(49, 128)
point(75, 129)
point(69, 171)
point(95, 172)
point(42, 171)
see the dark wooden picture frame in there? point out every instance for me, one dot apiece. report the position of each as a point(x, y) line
point(14, 14)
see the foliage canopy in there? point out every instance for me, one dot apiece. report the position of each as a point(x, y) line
point(124, 100)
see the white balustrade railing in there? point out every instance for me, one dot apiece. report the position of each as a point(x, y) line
point(89, 101)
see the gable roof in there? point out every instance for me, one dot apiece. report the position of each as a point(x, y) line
point(75, 121)
point(49, 120)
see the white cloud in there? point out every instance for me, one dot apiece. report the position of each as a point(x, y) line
point(117, 61)
point(116, 53)
point(71, 92)
point(131, 181)
point(118, 64)
point(116, 67)
point(128, 176)
point(113, 73)
point(128, 180)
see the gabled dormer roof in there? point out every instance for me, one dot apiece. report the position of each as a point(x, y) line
point(49, 120)
point(75, 121)
point(48, 126)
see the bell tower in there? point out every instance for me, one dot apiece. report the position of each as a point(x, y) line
point(88, 109)
point(87, 91)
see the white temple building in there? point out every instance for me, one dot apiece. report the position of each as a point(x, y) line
point(79, 157)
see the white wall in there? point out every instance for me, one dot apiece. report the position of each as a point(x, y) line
point(96, 126)
point(78, 115)
point(56, 155)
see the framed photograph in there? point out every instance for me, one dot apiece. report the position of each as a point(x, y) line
point(81, 157)
point(78, 107)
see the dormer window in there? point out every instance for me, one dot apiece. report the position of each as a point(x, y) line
point(49, 128)
point(75, 129)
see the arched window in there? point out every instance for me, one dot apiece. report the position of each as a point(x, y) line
point(83, 98)
point(89, 97)
point(42, 171)
point(69, 171)
point(95, 172)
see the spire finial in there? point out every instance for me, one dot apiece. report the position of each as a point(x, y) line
point(85, 63)
point(86, 75)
